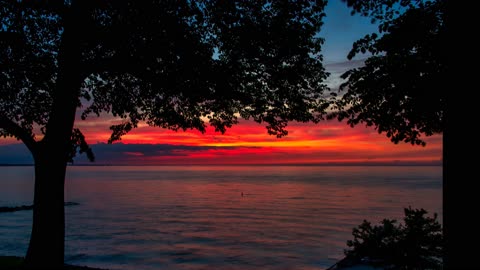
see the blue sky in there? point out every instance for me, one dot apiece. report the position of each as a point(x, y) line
point(340, 30)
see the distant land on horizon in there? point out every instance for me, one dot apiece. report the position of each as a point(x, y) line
point(393, 163)
point(308, 153)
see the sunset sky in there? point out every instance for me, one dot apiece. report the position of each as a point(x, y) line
point(248, 142)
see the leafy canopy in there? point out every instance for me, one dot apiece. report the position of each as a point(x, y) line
point(399, 90)
point(172, 64)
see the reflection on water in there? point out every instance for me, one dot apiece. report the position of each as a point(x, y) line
point(196, 217)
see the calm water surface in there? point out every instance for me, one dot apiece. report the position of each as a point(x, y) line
point(195, 217)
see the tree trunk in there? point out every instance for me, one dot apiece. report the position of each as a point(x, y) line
point(47, 246)
point(46, 249)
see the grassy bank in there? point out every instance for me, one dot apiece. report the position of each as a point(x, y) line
point(15, 263)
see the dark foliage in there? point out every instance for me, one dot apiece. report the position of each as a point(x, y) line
point(400, 89)
point(173, 64)
point(415, 244)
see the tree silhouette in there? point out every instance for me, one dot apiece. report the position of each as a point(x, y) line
point(173, 64)
point(415, 244)
point(399, 90)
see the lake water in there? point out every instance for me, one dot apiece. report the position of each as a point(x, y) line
point(195, 217)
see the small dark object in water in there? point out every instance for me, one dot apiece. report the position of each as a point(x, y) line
point(242, 194)
point(71, 203)
point(16, 208)
point(5, 209)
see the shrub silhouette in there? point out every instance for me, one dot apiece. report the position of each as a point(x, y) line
point(415, 244)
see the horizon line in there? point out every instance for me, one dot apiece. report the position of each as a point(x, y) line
point(398, 163)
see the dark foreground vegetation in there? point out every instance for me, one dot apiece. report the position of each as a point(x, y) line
point(417, 243)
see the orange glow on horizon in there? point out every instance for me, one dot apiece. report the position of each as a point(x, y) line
point(249, 143)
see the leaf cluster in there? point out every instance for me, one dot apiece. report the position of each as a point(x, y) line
point(400, 88)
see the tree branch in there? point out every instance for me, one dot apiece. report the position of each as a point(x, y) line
point(15, 130)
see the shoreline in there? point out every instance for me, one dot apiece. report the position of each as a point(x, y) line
point(16, 263)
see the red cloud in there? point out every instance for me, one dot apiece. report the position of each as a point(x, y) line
point(248, 142)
